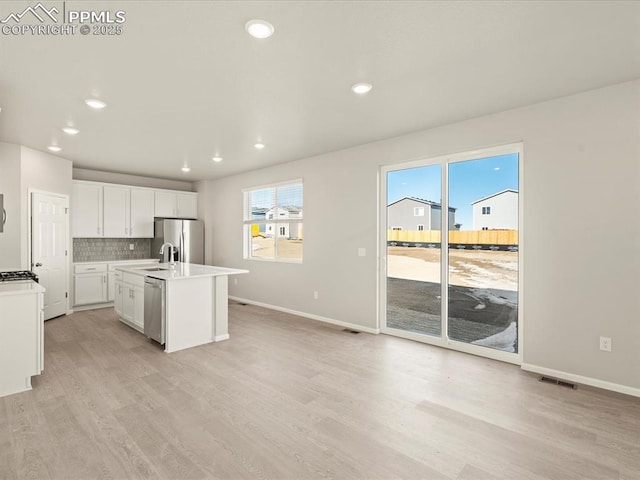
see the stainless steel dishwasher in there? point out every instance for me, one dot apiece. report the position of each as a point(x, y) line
point(154, 309)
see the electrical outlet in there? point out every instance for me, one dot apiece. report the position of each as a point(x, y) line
point(235, 281)
point(131, 246)
point(605, 344)
point(315, 295)
point(362, 252)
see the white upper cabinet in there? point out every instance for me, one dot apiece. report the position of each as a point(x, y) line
point(165, 204)
point(176, 205)
point(142, 212)
point(116, 212)
point(187, 205)
point(86, 210)
point(122, 211)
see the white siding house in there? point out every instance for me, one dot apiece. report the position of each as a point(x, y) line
point(286, 230)
point(498, 211)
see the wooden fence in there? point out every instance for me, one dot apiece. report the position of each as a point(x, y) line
point(469, 237)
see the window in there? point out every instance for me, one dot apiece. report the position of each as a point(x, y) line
point(420, 228)
point(273, 220)
point(418, 211)
point(486, 210)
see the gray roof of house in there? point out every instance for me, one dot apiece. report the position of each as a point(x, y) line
point(495, 194)
point(420, 200)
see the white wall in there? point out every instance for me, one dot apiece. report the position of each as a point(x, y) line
point(134, 180)
point(578, 284)
point(10, 188)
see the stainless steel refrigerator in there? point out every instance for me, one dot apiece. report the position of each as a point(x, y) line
point(187, 236)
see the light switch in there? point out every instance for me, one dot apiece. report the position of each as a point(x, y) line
point(362, 252)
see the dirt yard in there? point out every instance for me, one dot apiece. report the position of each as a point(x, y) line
point(469, 268)
point(265, 248)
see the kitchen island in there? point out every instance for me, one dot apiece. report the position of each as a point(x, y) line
point(195, 301)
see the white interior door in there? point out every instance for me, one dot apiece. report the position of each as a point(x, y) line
point(49, 249)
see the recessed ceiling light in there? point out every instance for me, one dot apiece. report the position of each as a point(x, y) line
point(217, 159)
point(95, 103)
point(258, 146)
point(54, 148)
point(186, 169)
point(259, 28)
point(71, 130)
point(361, 88)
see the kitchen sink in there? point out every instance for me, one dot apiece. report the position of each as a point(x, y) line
point(153, 269)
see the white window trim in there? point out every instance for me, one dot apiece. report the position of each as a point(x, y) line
point(247, 222)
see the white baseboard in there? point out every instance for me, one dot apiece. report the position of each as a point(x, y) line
point(93, 306)
point(593, 382)
point(219, 338)
point(332, 321)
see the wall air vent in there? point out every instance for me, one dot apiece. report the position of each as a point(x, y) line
point(561, 383)
point(348, 330)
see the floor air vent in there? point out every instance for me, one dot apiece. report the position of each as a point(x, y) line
point(555, 381)
point(348, 330)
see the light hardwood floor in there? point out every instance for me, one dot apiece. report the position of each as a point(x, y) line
point(291, 398)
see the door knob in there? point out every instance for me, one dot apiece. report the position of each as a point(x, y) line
point(38, 264)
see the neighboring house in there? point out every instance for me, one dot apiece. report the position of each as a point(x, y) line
point(411, 213)
point(498, 211)
point(291, 230)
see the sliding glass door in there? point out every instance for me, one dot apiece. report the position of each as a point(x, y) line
point(414, 246)
point(461, 289)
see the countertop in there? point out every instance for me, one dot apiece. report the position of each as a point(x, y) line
point(134, 261)
point(181, 271)
point(20, 287)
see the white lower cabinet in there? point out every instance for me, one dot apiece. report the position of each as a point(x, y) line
point(118, 296)
point(129, 300)
point(90, 284)
point(94, 284)
point(21, 336)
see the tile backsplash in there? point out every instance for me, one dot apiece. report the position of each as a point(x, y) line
point(105, 249)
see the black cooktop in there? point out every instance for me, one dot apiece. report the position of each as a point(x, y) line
point(18, 275)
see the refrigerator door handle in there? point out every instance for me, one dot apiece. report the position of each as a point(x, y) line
point(182, 245)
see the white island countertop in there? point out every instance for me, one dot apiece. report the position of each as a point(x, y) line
point(20, 287)
point(181, 271)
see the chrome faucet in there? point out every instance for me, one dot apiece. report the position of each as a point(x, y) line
point(171, 247)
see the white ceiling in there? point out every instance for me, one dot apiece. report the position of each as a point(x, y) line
point(185, 81)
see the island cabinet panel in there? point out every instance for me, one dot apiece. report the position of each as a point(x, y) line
point(190, 313)
point(118, 297)
point(129, 300)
